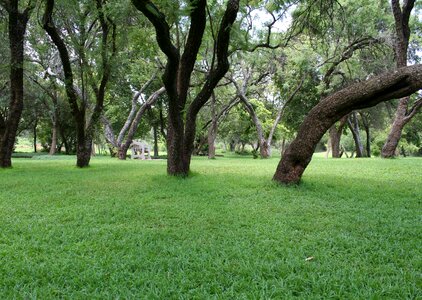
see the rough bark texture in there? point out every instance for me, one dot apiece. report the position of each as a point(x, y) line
point(181, 119)
point(396, 84)
point(401, 17)
point(9, 126)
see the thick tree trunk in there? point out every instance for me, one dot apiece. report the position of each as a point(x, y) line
point(181, 130)
point(264, 149)
point(122, 151)
point(177, 163)
point(83, 153)
point(396, 84)
point(17, 28)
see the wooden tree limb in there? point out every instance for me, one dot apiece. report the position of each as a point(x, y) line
point(132, 112)
point(399, 83)
point(223, 40)
point(347, 53)
point(157, 18)
point(281, 111)
point(50, 28)
point(413, 110)
point(193, 43)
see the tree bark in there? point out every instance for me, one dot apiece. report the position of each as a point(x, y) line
point(181, 119)
point(335, 133)
point(353, 124)
point(9, 126)
point(212, 131)
point(366, 126)
point(53, 146)
point(155, 132)
point(34, 132)
point(84, 128)
point(124, 146)
point(396, 84)
point(389, 149)
point(401, 17)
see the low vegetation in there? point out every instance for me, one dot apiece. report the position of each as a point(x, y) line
point(123, 229)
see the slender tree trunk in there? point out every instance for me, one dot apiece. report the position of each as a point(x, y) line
point(53, 147)
point(155, 132)
point(335, 133)
point(401, 17)
point(34, 132)
point(83, 152)
point(212, 131)
point(134, 123)
point(17, 28)
point(397, 84)
point(389, 149)
point(368, 142)
point(366, 126)
point(354, 128)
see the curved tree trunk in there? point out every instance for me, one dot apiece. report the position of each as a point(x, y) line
point(401, 17)
point(182, 117)
point(84, 128)
point(389, 149)
point(396, 84)
point(134, 123)
point(9, 127)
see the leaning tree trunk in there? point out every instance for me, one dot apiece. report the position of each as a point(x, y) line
point(389, 149)
point(17, 28)
point(396, 84)
point(401, 17)
point(123, 147)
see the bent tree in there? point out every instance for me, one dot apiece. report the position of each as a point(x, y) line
point(9, 124)
point(404, 113)
point(177, 76)
point(78, 103)
point(125, 137)
point(399, 83)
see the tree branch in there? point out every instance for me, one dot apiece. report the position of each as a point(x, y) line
point(413, 110)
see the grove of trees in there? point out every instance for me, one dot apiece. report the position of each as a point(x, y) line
point(262, 75)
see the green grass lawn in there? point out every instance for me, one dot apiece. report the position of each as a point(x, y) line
point(126, 230)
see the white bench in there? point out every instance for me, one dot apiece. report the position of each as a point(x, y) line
point(139, 149)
